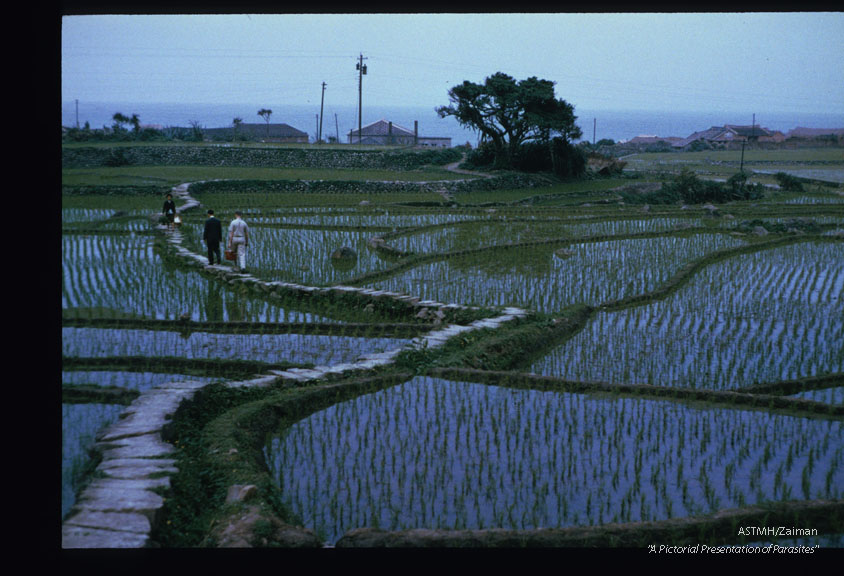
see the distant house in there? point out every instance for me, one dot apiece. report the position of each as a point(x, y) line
point(385, 133)
point(647, 139)
point(729, 133)
point(268, 133)
point(809, 133)
point(775, 136)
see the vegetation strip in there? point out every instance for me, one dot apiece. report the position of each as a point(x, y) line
point(787, 387)
point(320, 328)
point(164, 364)
point(101, 231)
point(511, 346)
point(719, 529)
point(221, 431)
point(728, 398)
point(84, 394)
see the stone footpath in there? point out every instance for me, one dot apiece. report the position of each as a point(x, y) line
point(119, 508)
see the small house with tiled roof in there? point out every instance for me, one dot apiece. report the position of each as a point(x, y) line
point(386, 133)
point(729, 133)
point(265, 132)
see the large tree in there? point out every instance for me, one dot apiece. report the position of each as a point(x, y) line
point(509, 113)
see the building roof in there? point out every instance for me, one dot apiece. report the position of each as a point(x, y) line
point(648, 139)
point(748, 131)
point(382, 128)
point(259, 130)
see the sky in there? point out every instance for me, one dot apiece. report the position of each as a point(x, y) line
point(779, 62)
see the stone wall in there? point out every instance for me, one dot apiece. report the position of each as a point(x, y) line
point(368, 187)
point(253, 157)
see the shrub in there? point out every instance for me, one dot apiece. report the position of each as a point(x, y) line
point(481, 157)
point(116, 157)
point(739, 189)
point(788, 182)
point(150, 134)
point(568, 160)
point(533, 157)
point(699, 145)
point(690, 189)
point(788, 226)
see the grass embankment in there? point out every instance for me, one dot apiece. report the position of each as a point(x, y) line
point(219, 435)
point(561, 193)
point(280, 200)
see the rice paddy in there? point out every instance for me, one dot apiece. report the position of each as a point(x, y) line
point(273, 348)
point(550, 277)
point(676, 298)
point(124, 273)
point(760, 317)
point(432, 453)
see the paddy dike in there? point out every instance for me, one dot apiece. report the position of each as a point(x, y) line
point(121, 506)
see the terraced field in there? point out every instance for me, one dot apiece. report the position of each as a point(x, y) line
point(674, 362)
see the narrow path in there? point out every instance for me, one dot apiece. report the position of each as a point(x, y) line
point(120, 507)
point(454, 167)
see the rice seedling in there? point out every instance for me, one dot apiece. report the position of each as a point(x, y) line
point(140, 380)
point(533, 277)
point(271, 348)
point(507, 480)
point(124, 274)
point(734, 324)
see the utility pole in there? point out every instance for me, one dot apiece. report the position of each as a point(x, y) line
point(321, 103)
point(361, 71)
point(77, 113)
point(594, 127)
point(752, 134)
point(337, 128)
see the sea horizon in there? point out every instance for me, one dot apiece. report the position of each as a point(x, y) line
point(339, 120)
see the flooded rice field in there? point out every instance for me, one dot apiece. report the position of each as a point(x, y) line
point(438, 454)
point(760, 317)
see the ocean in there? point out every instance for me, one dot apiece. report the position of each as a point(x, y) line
point(618, 125)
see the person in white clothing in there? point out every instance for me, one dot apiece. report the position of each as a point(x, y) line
point(239, 240)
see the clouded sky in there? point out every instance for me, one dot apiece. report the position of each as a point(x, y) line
point(789, 62)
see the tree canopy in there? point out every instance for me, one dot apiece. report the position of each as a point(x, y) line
point(266, 113)
point(510, 113)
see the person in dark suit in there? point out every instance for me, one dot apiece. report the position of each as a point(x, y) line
point(213, 235)
point(169, 211)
